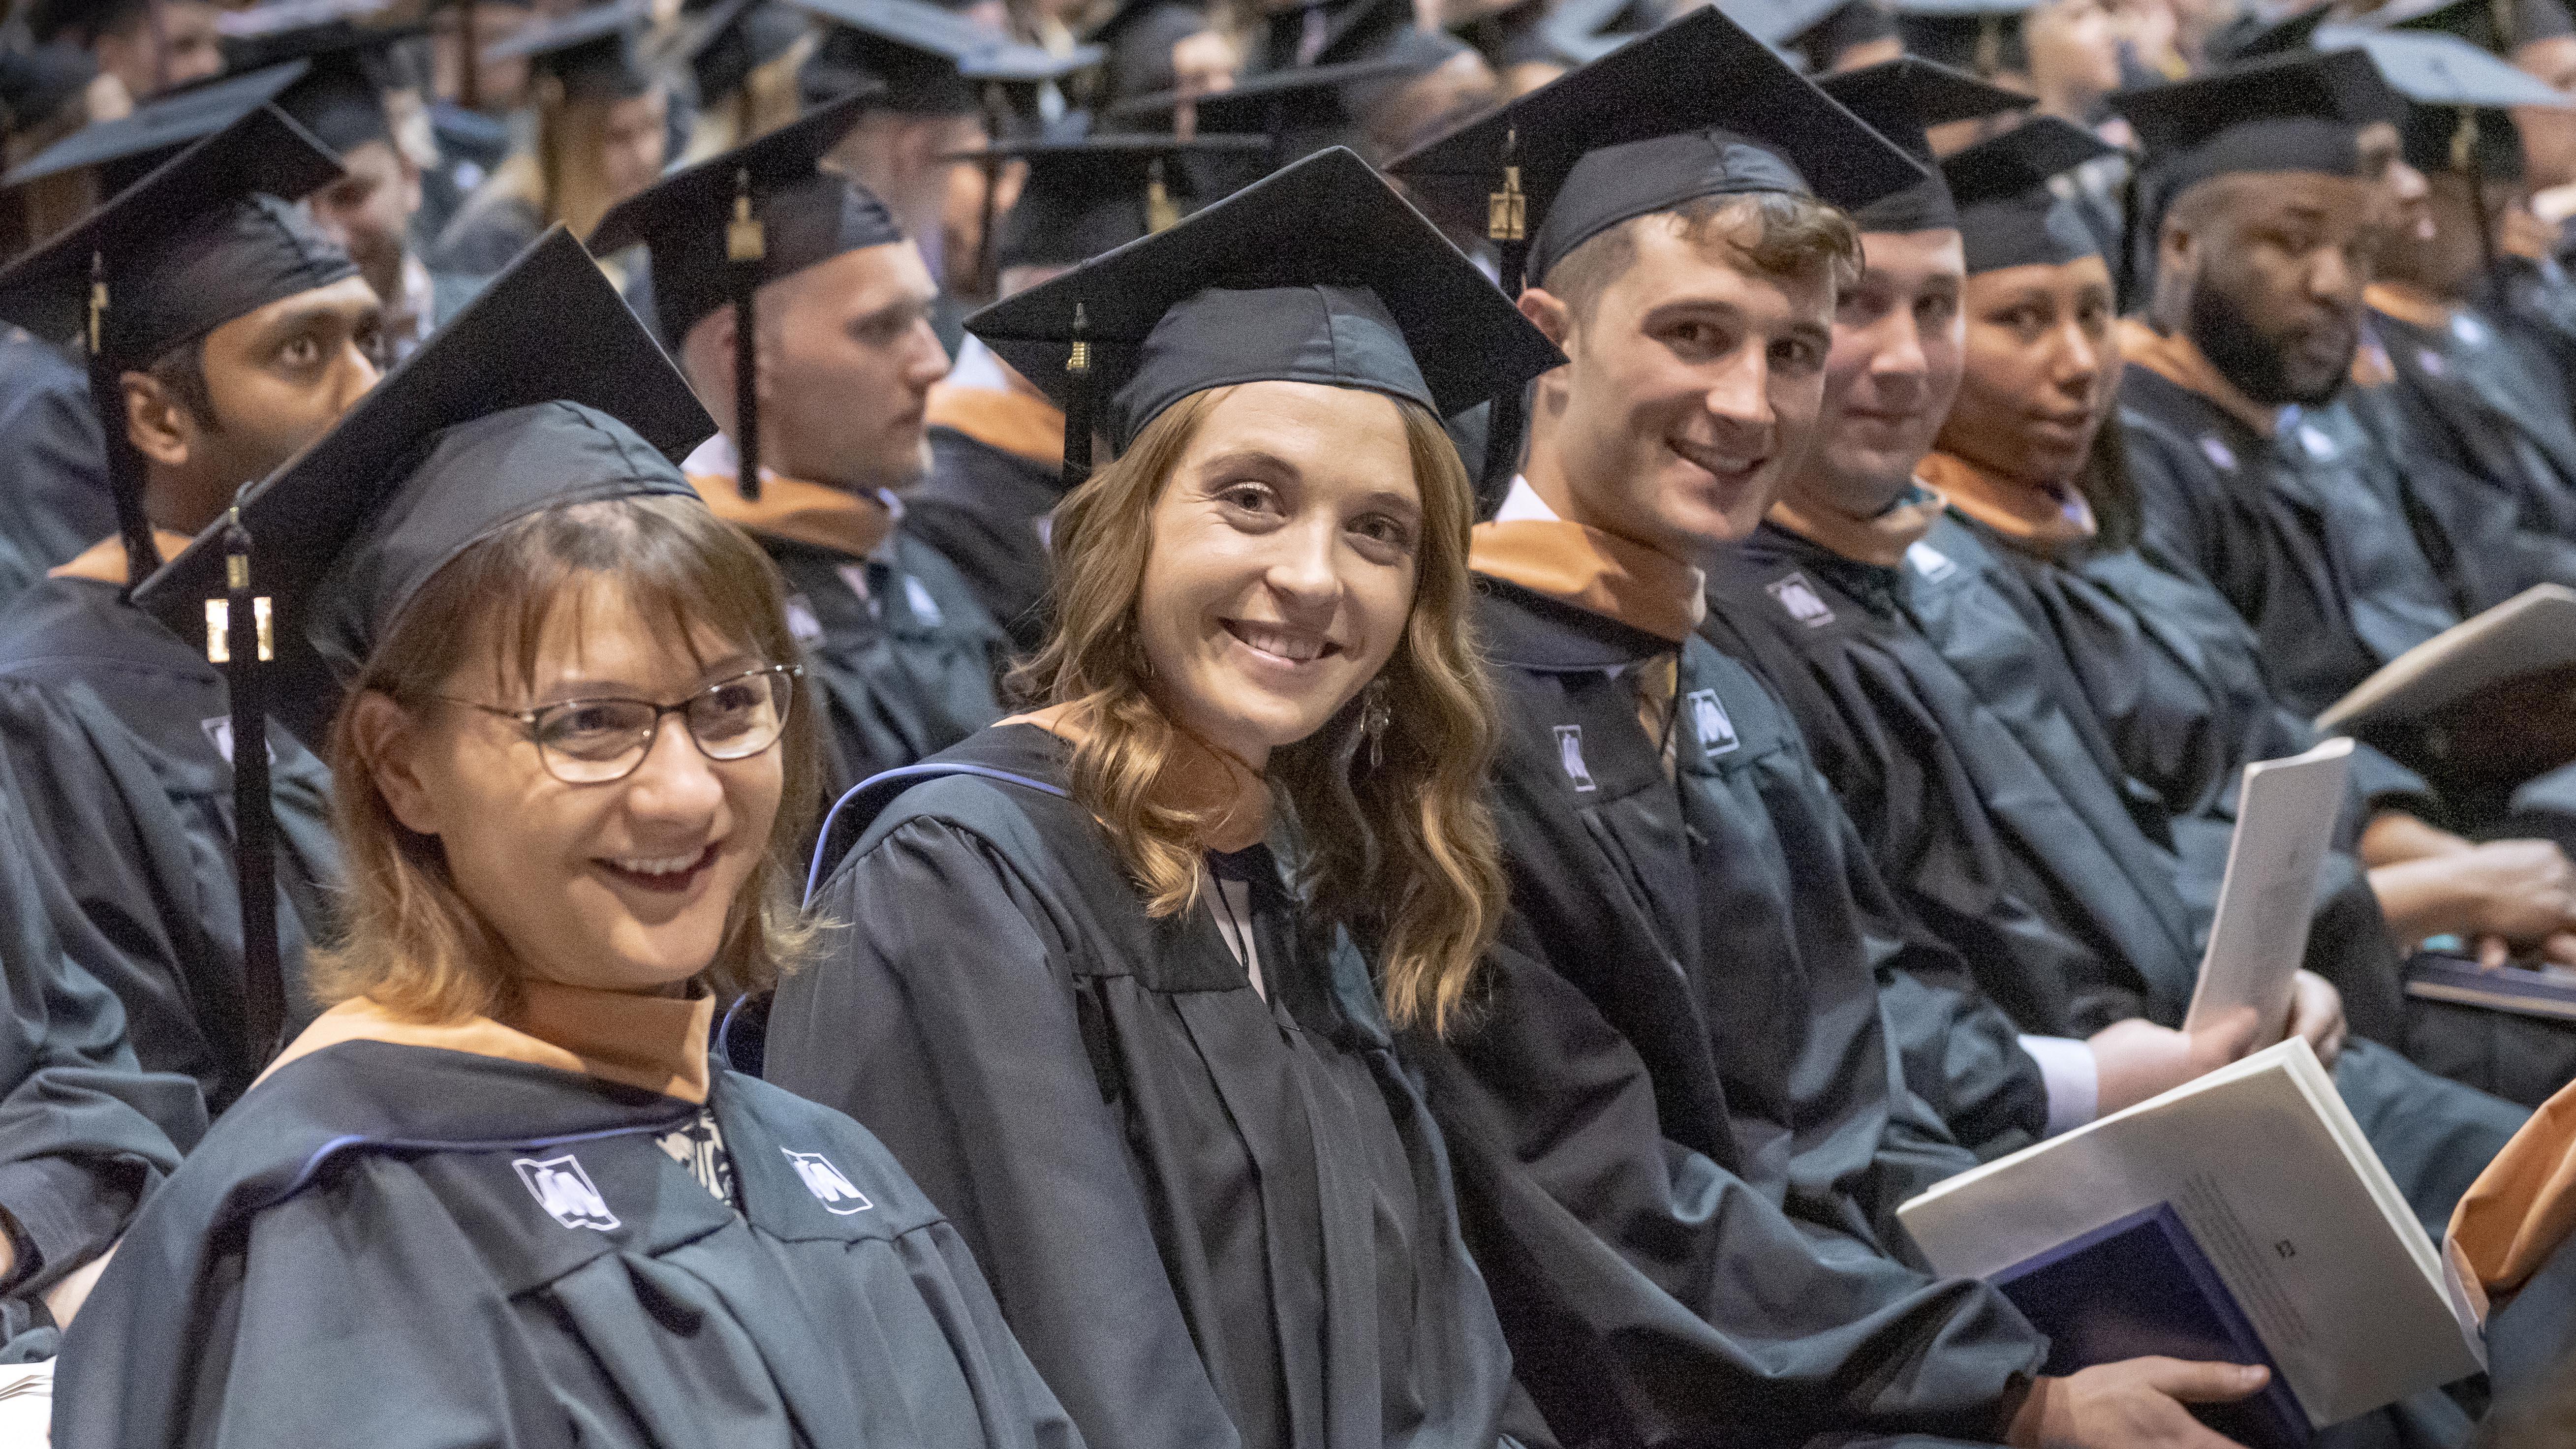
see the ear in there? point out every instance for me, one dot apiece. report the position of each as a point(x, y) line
point(159, 425)
point(706, 355)
point(389, 744)
point(1549, 314)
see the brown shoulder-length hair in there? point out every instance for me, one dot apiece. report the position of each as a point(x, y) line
point(1402, 854)
point(409, 940)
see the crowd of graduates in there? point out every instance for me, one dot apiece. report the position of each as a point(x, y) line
point(1301, 724)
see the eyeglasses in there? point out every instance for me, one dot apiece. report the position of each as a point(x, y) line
point(598, 741)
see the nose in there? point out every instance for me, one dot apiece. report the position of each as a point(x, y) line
point(1303, 572)
point(2079, 358)
point(2332, 276)
point(1897, 365)
point(676, 788)
point(358, 372)
point(1740, 396)
point(929, 360)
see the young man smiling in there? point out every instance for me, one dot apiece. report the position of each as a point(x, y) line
point(233, 334)
point(1678, 1123)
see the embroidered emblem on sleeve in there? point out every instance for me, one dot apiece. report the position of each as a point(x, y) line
point(566, 1192)
point(1708, 719)
point(1569, 753)
point(827, 1184)
point(1801, 600)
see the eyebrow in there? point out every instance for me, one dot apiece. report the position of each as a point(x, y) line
point(1261, 458)
point(575, 691)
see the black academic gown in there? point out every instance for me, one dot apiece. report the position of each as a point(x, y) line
point(985, 510)
point(2172, 684)
point(1213, 1219)
point(2014, 831)
point(84, 1132)
point(120, 733)
point(53, 474)
point(360, 1254)
point(1680, 1124)
point(905, 667)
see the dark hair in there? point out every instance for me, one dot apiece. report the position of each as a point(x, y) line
point(1792, 238)
point(413, 944)
point(83, 21)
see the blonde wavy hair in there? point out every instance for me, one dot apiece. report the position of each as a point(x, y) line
point(410, 941)
point(1404, 854)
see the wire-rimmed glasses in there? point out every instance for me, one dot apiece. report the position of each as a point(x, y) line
point(599, 741)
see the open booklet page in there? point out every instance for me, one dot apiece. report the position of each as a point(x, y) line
point(2532, 632)
point(2285, 819)
point(2266, 1167)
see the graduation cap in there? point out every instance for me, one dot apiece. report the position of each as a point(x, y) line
point(207, 237)
point(1579, 32)
point(2294, 113)
point(721, 229)
point(127, 149)
point(930, 61)
point(2459, 95)
point(2251, 40)
point(2499, 27)
point(1319, 273)
point(1351, 30)
point(474, 431)
point(723, 42)
point(1303, 109)
point(1980, 36)
point(1899, 99)
point(341, 97)
point(590, 54)
point(1645, 129)
point(1093, 194)
point(1136, 41)
point(1811, 32)
point(37, 81)
point(2009, 216)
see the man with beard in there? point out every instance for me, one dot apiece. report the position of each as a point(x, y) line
point(2261, 189)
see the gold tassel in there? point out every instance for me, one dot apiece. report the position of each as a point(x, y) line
point(1160, 214)
point(745, 240)
point(1507, 210)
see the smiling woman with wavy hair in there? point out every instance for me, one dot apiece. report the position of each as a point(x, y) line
point(1150, 1062)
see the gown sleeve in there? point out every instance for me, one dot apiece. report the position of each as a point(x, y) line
point(941, 1016)
point(1650, 1295)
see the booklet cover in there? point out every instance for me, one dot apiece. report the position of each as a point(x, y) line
point(2483, 702)
point(2141, 1285)
point(2265, 1165)
point(2520, 990)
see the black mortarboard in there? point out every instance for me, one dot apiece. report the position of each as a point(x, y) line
point(2249, 39)
point(2499, 27)
point(1303, 109)
point(1579, 32)
point(721, 229)
point(2458, 96)
point(1783, 24)
point(209, 236)
point(473, 430)
point(1899, 99)
point(930, 61)
point(1351, 30)
point(1645, 129)
point(1844, 28)
point(592, 53)
point(1983, 37)
point(2295, 113)
point(1094, 194)
point(1137, 39)
point(723, 42)
point(476, 430)
point(341, 100)
point(2008, 214)
point(127, 149)
point(37, 81)
point(1319, 273)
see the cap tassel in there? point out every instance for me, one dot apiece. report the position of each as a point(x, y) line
point(1507, 219)
point(1077, 411)
point(988, 261)
point(1990, 46)
point(124, 464)
point(2464, 160)
point(246, 641)
point(1160, 214)
point(746, 246)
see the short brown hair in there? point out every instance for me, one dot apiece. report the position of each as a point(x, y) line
point(1404, 854)
point(412, 943)
point(1776, 233)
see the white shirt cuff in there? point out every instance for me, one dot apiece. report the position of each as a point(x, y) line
point(2073, 1080)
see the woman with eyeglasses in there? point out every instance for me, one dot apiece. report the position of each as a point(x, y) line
point(500, 1193)
point(1119, 980)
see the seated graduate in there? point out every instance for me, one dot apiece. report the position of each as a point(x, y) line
point(472, 95)
point(2029, 469)
point(1159, 45)
point(149, 46)
point(1146, 1064)
point(85, 1134)
point(602, 129)
point(996, 439)
point(233, 334)
point(1978, 773)
point(500, 1192)
point(1680, 1127)
point(743, 60)
point(839, 355)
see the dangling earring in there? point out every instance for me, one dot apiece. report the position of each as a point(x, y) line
point(1374, 718)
